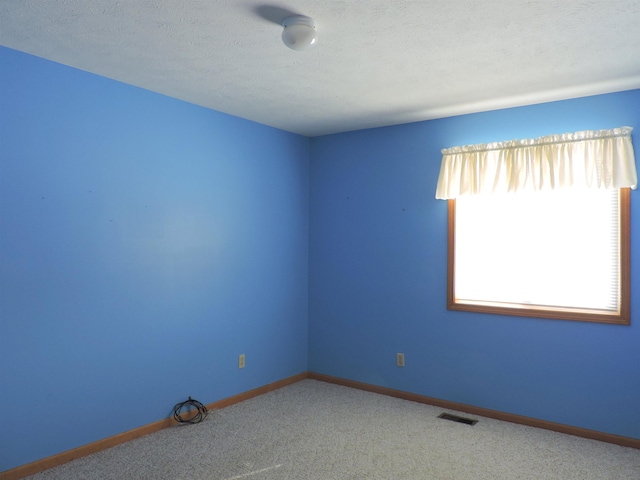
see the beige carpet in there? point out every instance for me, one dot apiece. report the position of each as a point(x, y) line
point(320, 431)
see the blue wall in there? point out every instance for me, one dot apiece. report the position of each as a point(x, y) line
point(378, 260)
point(144, 244)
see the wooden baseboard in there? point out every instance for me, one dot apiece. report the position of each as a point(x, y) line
point(483, 412)
point(84, 450)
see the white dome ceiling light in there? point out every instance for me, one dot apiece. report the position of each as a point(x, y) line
point(299, 32)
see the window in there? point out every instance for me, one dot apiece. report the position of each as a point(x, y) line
point(540, 227)
point(558, 254)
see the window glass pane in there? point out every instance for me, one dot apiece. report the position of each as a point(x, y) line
point(558, 249)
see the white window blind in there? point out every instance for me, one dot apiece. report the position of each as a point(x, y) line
point(559, 249)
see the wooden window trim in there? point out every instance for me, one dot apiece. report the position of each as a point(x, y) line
point(623, 318)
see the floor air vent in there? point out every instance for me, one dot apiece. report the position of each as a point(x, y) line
point(456, 418)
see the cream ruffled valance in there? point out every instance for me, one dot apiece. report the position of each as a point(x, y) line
point(591, 158)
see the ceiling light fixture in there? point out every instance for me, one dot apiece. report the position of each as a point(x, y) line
point(299, 32)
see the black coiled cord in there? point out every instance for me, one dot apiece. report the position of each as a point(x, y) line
point(201, 411)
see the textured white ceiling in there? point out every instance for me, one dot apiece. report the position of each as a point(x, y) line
point(377, 62)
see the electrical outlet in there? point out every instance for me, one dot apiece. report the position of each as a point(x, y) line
point(241, 360)
point(400, 359)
